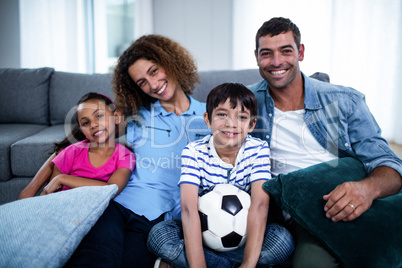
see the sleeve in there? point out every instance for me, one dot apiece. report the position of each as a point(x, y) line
point(366, 140)
point(261, 169)
point(190, 170)
point(126, 158)
point(65, 159)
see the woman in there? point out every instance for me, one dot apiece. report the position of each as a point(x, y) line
point(152, 83)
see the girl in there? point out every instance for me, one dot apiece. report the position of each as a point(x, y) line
point(98, 159)
point(152, 83)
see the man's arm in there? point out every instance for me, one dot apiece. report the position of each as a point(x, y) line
point(351, 199)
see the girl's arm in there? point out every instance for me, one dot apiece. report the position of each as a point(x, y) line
point(120, 177)
point(191, 225)
point(40, 179)
point(256, 224)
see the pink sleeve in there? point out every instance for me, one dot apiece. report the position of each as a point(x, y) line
point(126, 158)
point(64, 160)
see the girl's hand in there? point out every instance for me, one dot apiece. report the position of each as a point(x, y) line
point(52, 186)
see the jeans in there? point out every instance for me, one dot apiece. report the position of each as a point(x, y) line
point(118, 239)
point(166, 241)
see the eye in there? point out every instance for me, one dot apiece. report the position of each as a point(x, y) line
point(287, 51)
point(100, 115)
point(265, 53)
point(221, 114)
point(243, 117)
point(85, 123)
point(154, 71)
point(141, 83)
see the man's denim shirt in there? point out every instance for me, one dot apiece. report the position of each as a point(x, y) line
point(338, 118)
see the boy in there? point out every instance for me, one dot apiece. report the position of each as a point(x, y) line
point(229, 155)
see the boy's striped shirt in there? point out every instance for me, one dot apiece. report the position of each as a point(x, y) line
point(202, 166)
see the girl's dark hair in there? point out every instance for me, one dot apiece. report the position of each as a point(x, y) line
point(75, 134)
point(237, 94)
point(166, 53)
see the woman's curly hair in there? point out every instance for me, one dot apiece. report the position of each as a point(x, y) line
point(166, 53)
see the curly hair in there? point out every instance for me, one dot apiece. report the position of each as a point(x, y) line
point(168, 54)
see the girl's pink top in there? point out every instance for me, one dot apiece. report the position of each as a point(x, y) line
point(74, 161)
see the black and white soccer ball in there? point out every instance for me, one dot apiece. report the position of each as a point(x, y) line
point(223, 213)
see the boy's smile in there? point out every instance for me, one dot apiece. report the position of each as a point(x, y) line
point(230, 126)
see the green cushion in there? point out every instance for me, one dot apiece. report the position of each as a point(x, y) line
point(372, 240)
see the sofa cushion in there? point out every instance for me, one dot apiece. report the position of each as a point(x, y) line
point(66, 89)
point(24, 95)
point(372, 240)
point(10, 133)
point(44, 231)
point(29, 154)
point(11, 189)
point(211, 79)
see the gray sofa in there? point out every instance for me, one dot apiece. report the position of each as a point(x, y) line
point(34, 104)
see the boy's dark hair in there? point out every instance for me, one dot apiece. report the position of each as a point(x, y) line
point(75, 134)
point(277, 26)
point(237, 94)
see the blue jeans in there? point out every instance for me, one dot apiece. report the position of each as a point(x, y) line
point(118, 239)
point(166, 241)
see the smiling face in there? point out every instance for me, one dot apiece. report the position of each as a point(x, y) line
point(230, 126)
point(278, 59)
point(152, 80)
point(97, 122)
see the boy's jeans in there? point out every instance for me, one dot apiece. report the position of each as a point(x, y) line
point(166, 241)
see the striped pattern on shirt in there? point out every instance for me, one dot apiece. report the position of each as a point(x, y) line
point(202, 166)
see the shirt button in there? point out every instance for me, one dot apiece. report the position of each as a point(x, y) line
point(270, 115)
point(346, 144)
point(267, 136)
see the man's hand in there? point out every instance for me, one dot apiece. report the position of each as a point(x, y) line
point(351, 199)
point(348, 201)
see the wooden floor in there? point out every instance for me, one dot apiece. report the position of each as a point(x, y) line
point(397, 148)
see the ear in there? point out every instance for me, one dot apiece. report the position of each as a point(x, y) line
point(301, 52)
point(206, 120)
point(256, 55)
point(252, 125)
point(117, 116)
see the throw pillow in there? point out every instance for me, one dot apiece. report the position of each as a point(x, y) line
point(372, 240)
point(44, 231)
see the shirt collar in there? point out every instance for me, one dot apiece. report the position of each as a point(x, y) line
point(311, 100)
point(158, 109)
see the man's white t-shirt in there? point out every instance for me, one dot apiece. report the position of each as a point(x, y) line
point(293, 147)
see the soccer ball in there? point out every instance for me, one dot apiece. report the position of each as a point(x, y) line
point(223, 214)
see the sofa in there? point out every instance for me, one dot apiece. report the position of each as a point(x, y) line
point(35, 112)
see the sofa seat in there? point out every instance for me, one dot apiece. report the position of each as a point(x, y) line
point(29, 154)
point(9, 134)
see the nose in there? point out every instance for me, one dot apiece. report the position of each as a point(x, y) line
point(231, 122)
point(94, 123)
point(153, 83)
point(276, 60)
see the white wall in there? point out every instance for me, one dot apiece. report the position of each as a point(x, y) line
point(203, 27)
point(9, 34)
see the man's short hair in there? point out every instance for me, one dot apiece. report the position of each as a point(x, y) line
point(277, 26)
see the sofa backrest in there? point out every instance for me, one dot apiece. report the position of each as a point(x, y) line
point(211, 79)
point(24, 95)
point(66, 89)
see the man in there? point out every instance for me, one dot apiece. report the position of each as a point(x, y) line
point(307, 122)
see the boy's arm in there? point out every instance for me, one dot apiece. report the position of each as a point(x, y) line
point(256, 224)
point(40, 179)
point(191, 225)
